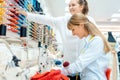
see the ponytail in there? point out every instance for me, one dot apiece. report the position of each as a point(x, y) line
point(85, 4)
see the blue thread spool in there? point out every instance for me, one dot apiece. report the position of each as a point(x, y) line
point(58, 62)
point(3, 30)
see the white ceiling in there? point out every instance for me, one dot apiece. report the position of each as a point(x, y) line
point(100, 10)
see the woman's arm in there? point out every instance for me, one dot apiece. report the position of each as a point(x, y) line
point(41, 19)
point(92, 53)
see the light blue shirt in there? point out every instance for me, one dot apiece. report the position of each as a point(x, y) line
point(92, 61)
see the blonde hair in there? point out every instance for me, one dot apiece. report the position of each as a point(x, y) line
point(78, 18)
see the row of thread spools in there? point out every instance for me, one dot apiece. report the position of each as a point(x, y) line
point(13, 20)
point(10, 20)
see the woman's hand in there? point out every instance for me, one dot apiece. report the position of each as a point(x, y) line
point(64, 71)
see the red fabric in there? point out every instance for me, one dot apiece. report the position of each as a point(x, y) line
point(107, 72)
point(38, 75)
point(52, 75)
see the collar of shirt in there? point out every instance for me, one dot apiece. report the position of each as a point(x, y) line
point(87, 39)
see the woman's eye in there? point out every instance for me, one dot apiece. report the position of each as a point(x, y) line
point(72, 29)
point(73, 4)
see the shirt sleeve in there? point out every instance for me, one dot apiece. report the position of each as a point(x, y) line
point(92, 53)
point(44, 19)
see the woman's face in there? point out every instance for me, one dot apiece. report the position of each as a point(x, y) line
point(75, 7)
point(78, 31)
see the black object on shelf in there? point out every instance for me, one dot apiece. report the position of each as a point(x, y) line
point(110, 37)
point(16, 61)
point(74, 77)
point(3, 30)
point(23, 31)
point(39, 44)
point(118, 53)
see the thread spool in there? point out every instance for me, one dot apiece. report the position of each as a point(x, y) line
point(66, 64)
point(23, 31)
point(2, 30)
point(39, 44)
point(110, 37)
point(1, 1)
point(58, 62)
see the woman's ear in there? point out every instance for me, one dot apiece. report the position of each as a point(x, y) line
point(81, 7)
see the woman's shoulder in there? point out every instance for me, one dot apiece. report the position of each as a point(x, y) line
point(67, 17)
point(98, 39)
point(91, 19)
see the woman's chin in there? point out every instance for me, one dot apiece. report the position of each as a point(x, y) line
point(80, 37)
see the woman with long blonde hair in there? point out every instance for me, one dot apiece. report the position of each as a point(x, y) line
point(92, 61)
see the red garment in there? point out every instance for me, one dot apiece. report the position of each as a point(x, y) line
point(107, 72)
point(52, 75)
